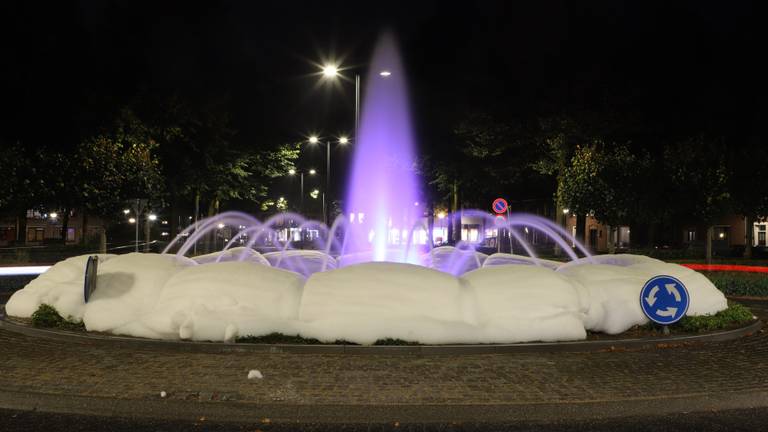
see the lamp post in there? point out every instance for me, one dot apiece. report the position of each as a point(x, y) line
point(139, 208)
point(343, 140)
point(301, 182)
point(331, 71)
point(150, 218)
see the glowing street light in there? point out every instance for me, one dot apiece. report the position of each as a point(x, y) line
point(132, 220)
point(385, 73)
point(566, 211)
point(330, 71)
point(314, 140)
point(152, 217)
point(441, 215)
point(301, 182)
point(126, 211)
point(53, 215)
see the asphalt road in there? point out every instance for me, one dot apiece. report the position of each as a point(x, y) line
point(732, 421)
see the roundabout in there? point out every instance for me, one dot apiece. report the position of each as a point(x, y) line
point(99, 377)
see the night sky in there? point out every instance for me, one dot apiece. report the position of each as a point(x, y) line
point(680, 68)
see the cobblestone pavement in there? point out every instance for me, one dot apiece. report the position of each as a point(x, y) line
point(97, 369)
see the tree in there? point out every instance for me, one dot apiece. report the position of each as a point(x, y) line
point(61, 186)
point(201, 161)
point(485, 156)
point(555, 142)
point(605, 180)
point(699, 178)
point(22, 185)
point(746, 182)
point(114, 167)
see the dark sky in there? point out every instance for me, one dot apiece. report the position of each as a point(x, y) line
point(681, 67)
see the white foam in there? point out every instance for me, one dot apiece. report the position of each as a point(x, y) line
point(162, 296)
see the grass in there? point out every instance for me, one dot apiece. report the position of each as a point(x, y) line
point(46, 316)
point(279, 338)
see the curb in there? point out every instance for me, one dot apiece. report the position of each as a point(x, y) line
point(228, 347)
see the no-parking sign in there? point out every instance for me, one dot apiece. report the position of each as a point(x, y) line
point(500, 205)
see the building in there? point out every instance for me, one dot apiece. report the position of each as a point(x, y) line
point(46, 228)
point(730, 235)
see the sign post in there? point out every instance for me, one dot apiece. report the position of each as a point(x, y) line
point(664, 300)
point(499, 206)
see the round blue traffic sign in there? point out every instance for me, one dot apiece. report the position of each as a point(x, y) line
point(664, 299)
point(499, 205)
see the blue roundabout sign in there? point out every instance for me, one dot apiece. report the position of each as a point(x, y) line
point(664, 299)
point(91, 269)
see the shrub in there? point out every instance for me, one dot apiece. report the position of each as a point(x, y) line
point(279, 338)
point(390, 341)
point(740, 283)
point(735, 315)
point(47, 316)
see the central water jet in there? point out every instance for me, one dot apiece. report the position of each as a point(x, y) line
point(383, 200)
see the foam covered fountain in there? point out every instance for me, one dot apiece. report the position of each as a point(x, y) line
point(372, 274)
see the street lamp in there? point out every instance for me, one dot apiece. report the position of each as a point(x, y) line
point(301, 177)
point(331, 71)
point(343, 140)
point(150, 218)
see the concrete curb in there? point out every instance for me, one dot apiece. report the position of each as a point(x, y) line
point(222, 347)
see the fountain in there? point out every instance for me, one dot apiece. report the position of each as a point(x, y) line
point(383, 198)
point(372, 274)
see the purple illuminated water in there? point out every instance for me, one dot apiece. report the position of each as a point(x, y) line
point(383, 201)
point(383, 218)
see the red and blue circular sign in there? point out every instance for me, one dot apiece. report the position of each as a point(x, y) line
point(500, 205)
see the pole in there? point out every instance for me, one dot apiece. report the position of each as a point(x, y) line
point(136, 244)
point(301, 200)
point(325, 213)
point(197, 215)
point(147, 235)
point(357, 105)
point(327, 179)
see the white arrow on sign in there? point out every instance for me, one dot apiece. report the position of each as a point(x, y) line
point(671, 289)
point(668, 312)
point(651, 299)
